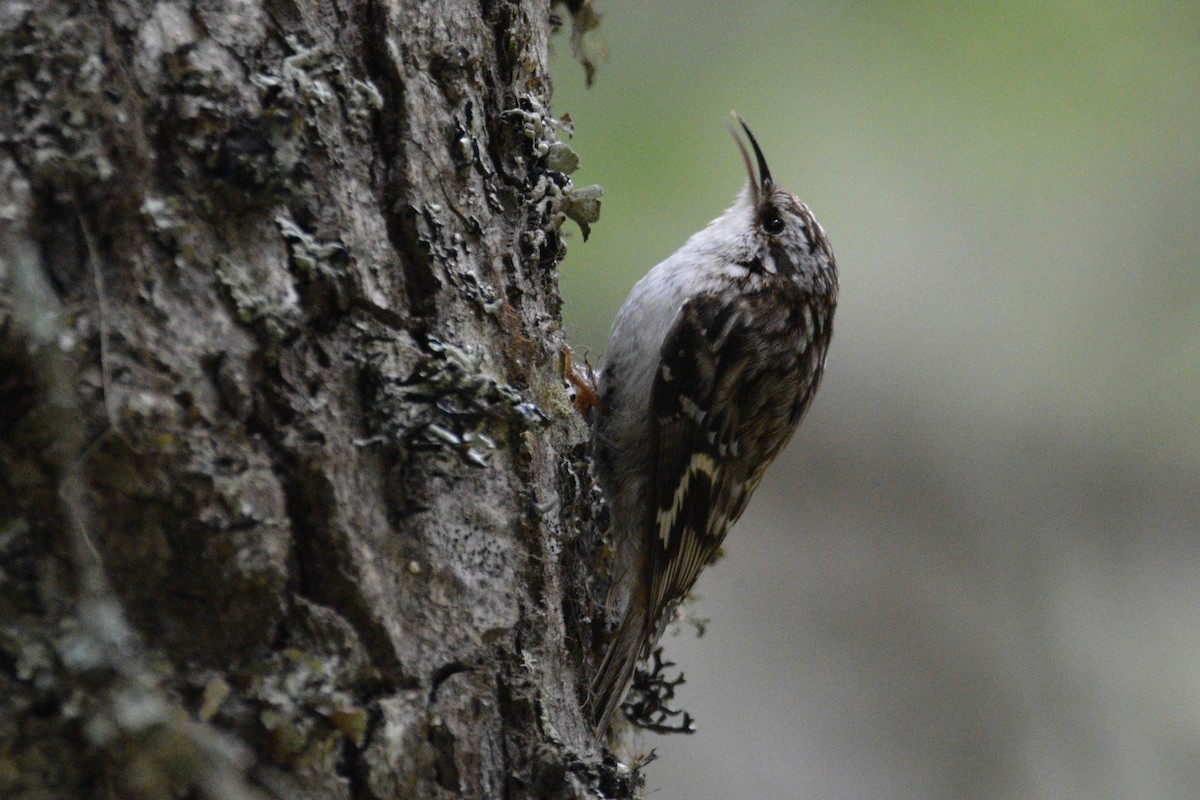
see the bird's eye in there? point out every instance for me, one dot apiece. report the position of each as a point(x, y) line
point(772, 223)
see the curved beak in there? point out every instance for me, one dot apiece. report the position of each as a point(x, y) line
point(762, 184)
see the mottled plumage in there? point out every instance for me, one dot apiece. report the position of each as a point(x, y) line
point(712, 361)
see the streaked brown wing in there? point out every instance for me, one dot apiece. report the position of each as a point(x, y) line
point(698, 488)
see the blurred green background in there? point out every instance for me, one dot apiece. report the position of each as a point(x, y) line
point(976, 571)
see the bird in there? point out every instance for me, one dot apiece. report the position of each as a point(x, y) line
point(711, 363)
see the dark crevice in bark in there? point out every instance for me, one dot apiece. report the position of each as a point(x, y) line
point(441, 675)
point(441, 740)
point(420, 278)
point(420, 275)
point(497, 14)
point(385, 317)
point(350, 767)
point(320, 556)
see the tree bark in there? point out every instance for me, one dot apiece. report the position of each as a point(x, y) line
point(293, 501)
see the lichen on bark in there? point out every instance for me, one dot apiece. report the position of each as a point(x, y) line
point(292, 496)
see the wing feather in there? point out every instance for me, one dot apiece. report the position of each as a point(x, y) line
point(694, 429)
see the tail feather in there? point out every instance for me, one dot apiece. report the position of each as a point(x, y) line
point(615, 674)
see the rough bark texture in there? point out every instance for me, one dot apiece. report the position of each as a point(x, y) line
point(292, 498)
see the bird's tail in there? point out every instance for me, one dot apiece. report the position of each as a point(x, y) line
point(616, 670)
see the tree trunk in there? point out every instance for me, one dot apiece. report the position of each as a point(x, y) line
point(293, 501)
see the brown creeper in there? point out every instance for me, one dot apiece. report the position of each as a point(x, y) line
point(712, 361)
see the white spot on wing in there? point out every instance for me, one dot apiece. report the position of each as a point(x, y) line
point(691, 409)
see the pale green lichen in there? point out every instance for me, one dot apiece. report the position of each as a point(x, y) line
point(306, 714)
point(583, 206)
point(320, 263)
point(276, 317)
point(561, 157)
point(163, 214)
